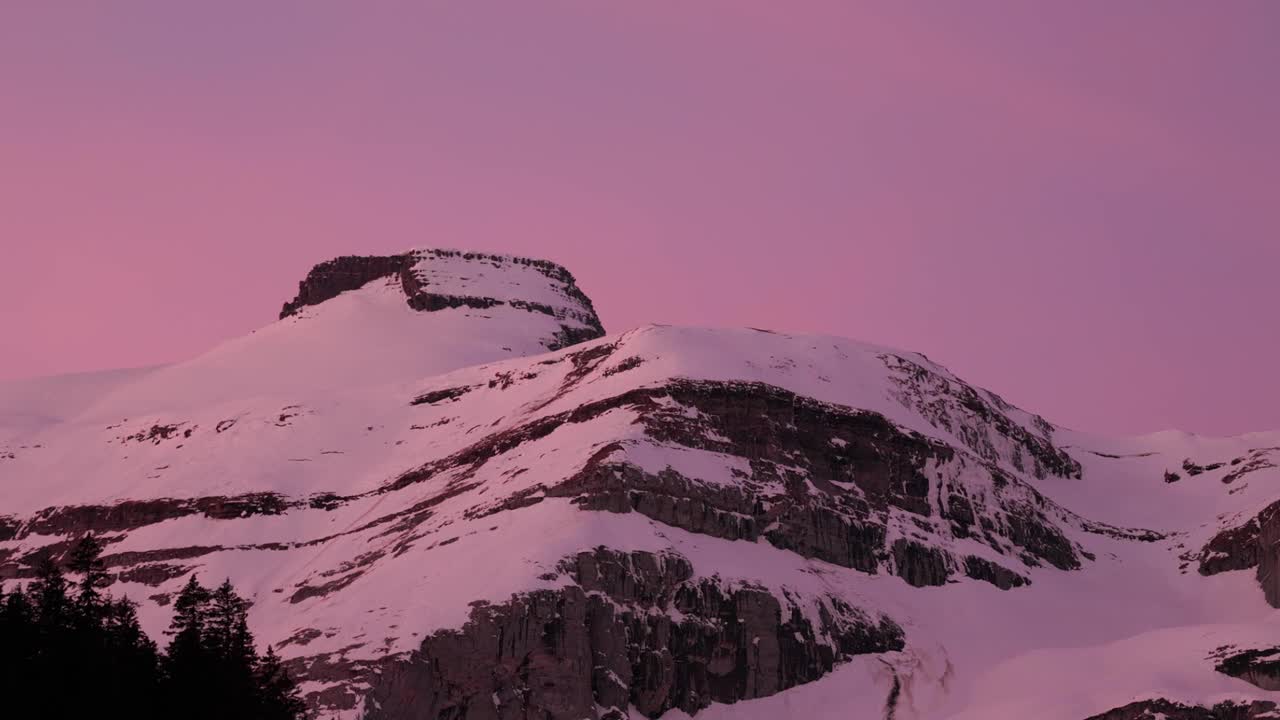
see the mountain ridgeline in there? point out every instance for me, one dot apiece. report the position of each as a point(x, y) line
point(448, 493)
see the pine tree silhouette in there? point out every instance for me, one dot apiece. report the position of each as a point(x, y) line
point(49, 595)
point(86, 655)
point(132, 669)
point(86, 561)
point(231, 645)
point(188, 663)
point(279, 698)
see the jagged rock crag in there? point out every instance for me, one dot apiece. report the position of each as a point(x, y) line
point(634, 629)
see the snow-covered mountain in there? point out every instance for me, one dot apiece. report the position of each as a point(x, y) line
point(451, 495)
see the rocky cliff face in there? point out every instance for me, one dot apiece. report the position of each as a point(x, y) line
point(824, 482)
point(632, 630)
point(434, 280)
point(1254, 544)
point(349, 272)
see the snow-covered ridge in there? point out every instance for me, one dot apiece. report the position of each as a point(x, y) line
point(356, 321)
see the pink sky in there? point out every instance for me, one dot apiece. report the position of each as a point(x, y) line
point(1074, 204)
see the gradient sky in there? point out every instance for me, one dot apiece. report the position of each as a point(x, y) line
point(1074, 204)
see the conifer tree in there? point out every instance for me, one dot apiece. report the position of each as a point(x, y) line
point(231, 645)
point(227, 628)
point(188, 663)
point(190, 612)
point(132, 671)
point(279, 698)
point(49, 595)
point(86, 561)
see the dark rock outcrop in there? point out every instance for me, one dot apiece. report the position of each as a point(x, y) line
point(1234, 548)
point(71, 521)
point(1192, 469)
point(1251, 544)
point(132, 514)
point(987, 571)
point(920, 565)
point(349, 272)
point(9, 527)
point(442, 395)
point(635, 629)
point(1257, 459)
point(1259, 666)
point(1167, 710)
point(1269, 553)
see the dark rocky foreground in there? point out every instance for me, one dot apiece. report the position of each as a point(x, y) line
point(633, 629)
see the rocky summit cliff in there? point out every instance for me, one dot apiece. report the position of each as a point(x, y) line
point(434, 280)
point(451, 495)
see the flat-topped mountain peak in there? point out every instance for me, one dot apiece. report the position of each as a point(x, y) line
point(435, 279)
